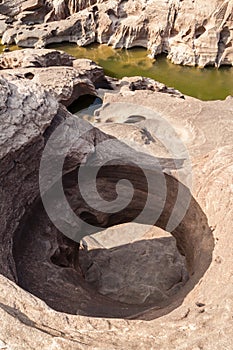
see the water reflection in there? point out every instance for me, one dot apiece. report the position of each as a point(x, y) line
point(206, 84)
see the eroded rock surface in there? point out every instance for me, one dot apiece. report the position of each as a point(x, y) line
point(142, 83)
point(65, 77)
point(64, 83)
point(146, 271)
point(24, 118)
point(45, 264)
point(191, 32)
point(35, 58)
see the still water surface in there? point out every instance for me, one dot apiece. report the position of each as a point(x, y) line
point(205, 84)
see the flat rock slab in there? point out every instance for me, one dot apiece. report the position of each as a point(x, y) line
point(144, 271)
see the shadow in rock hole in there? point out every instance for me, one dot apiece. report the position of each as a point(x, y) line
point(146, 279)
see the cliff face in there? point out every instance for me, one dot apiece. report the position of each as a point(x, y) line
point(61, 9)
point(191, 32)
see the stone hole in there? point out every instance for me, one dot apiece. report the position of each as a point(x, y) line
point(29, 75)
point(123, 269)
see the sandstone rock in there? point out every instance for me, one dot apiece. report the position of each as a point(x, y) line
point(27, 124)
point(31, 5)
point(128, 282)
point(41, 263)
point(48, 58)
point(53, 70)
point(10, 8)
point(79, 29)
point(141, 83)
point(62, 9)
point(3, 25)
point(90, 70)
point(35, 58)
point(64, 83)
point(192, 33)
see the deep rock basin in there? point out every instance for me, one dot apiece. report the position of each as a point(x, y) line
point(96, 282)
point(90, 282)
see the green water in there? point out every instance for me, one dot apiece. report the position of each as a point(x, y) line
point(11, 48)
point(205, 84)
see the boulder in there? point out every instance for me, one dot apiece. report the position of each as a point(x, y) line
point(34, 58)
point(64, 76)
point(142, 83)
point(64, 83)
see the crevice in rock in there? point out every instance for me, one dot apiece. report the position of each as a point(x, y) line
point(222, 44)
point(85, 106)
point(199, 31)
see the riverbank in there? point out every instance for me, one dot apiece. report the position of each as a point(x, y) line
point(192, 33)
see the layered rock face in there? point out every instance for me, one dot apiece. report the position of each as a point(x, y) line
point(190, 32)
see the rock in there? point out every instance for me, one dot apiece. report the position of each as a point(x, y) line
point(38, 58)
point(3, 24)
point(192, 33)
point(29, 5)
point(64, 83)
point(27, 124)
point(50, 303)
point(10, 8)
point(63, 9)
point(90, 70)
point(64, 76)
point(128, 282)
point(142, 83)
point(78, 28)
point(35, 58)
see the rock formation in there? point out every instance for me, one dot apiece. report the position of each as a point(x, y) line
point(54, 295)
point(190, 32)
point(60, 74)
point(35, 58)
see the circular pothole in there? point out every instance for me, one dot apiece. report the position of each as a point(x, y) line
point(124, 271)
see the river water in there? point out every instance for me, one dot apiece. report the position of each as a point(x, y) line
point(206, 84)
